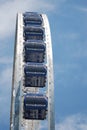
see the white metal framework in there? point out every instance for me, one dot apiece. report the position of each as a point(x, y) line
point(17, 122)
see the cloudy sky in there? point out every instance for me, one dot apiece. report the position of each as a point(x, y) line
point(68, 23)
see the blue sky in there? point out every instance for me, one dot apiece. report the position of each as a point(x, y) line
point(68, 23)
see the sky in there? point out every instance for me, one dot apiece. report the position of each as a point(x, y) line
point(68, 23)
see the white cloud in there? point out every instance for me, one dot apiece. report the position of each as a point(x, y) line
point(74, 122)
point(9, 9)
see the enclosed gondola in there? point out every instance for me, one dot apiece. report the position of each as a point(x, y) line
point(35, 106)
point(32, 18)
point(35, 75)
point(33, 33)
point(34, 51)
point(35, 69)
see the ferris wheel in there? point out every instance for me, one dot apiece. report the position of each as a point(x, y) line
point(32, 100)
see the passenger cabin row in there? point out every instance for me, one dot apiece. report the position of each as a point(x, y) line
point(35, 72)
point(34, 50)
point(34, 36)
